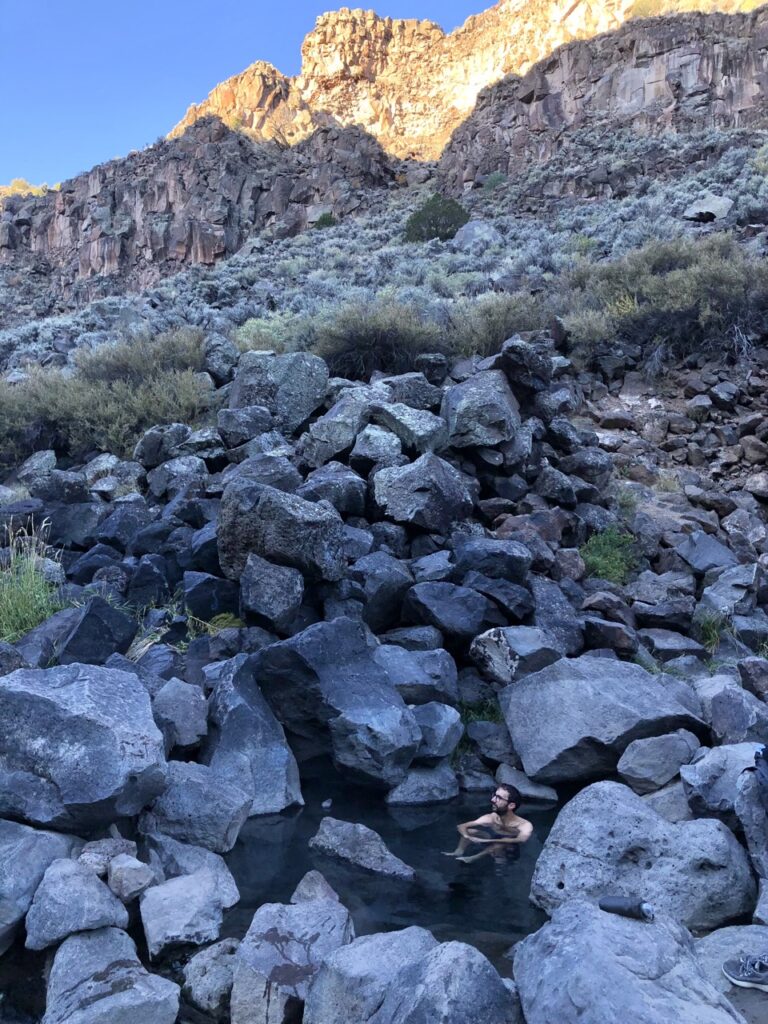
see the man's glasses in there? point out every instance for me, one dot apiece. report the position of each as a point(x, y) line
point(495, 796)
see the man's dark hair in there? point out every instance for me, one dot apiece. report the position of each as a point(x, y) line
point(513, 794)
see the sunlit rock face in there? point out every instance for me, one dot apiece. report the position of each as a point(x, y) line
point(670, 74)
point(407, 82)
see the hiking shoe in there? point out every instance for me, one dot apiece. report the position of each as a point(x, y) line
point(748, 971)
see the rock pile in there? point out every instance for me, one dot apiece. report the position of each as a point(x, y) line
point(353, 562)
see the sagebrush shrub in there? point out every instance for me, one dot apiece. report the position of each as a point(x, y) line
point(439, 217)
point(610, 555)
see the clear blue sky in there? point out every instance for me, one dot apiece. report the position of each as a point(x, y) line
point(82, 81)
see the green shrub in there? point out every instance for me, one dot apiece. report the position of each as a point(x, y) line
point(325, 220)
point(439, 217)
point(78, 414)
point(144, 357)
point(610, 555)
point(480, 326)
point(382, 334)
point(680, 296)
point(26, 597)
point(494, 179)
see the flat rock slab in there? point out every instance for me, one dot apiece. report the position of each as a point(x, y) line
point(359, 845)
point(574, 719)
point(588, 967)
point(608, 841)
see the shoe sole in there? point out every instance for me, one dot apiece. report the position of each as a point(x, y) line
point(746, 984)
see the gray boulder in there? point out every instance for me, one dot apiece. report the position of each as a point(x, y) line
point(457, 611)
point(181, 712)
point(280, 954)
point(710, 780)
point(738, 716)
point(182, 911)
point(247, 745)
point(481, 411)
point(208, 979)
point(313, 886)
point(425, 786)
point(81, 747)
point(169, 858)
point(291, 385)
point(607, 841)
point(336, 431)
point(497, 559)
point(281, 528)
point(337, 484)
point(507, 653)
point(199, 807)
point(70, 899)
point(670, 802)
point(574, 719)
point(649, 764)
point(325, 685)
point(441, 729)
point(429, 493)
point(703, 552)
point(588, 967)
point(420, 676)
point(270, 592)
point(129, 877)
point(406, 977)
point(417, 429)
point(359, 845)
point(96, 977)
point(385, 581)
point(25, 856)
point(354, 981)
point(752, 815)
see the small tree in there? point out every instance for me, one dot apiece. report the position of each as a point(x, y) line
point(437, 218)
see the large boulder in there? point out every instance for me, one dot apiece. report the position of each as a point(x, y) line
point(429, 493)
point(97, 978)
point(25, 856)
point(280, 954)
point(481, 411)
point(404, 978)
point(359, 845)
point(247, 744)
point(182, 911)
point(272, 593)
point(457, 611)
point(324, 684)
point(98, 632)
point(710, 780)
point(589, 967)
point(80, 746)
point(199, 806)
point(70, 899)
point(574, 719)
point(647, 765)
point(507, 653)
point(608, 841)
point(281, 528)
point(291, 386)
point(169, 858)
point(208, 979)
point(353, 982)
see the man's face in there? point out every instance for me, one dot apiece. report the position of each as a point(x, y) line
point(500, 801)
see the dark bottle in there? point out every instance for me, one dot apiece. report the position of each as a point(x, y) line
point(627, 906)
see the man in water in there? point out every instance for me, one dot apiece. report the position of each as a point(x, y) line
point(496, 832)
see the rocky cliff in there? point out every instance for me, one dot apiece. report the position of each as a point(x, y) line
point(188, 200)
point(407, 82)
point(674, 73)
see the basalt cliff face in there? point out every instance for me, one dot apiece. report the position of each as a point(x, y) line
point(407, 82)
point(193, 199)
point(667, 74)
point(373, 89)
